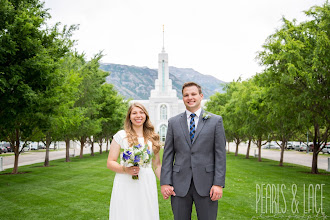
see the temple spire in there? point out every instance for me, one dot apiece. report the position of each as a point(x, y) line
point(163, 51)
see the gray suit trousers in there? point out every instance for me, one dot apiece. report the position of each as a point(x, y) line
point(206, 209)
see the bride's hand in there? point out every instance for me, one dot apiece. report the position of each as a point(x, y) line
point(132, 170)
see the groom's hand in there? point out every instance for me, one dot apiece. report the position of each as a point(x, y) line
point(216, 193)
point(167, 191)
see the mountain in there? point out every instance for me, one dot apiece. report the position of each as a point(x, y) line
point(137, 82)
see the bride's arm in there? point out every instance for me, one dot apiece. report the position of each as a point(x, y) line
point(112, 163)
point(157, 165)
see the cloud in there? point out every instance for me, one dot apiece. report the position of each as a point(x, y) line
point(219, 38)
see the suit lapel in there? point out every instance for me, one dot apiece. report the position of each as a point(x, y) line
point(184, 126)
point(200, 125)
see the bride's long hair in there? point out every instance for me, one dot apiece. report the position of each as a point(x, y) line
point(148, 129)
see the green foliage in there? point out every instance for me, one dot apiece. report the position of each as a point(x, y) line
point(113, 111)
point(68, 117)
point(89, 98)
point(29, 54)
point(297, 60)
point(291, 96)
point(243, 110)
point(47, 92)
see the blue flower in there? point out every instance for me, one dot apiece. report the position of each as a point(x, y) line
point(138, 146)
point(148, 151)
point(127, 155)
point(137, 159)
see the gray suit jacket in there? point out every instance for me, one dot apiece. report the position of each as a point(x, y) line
point(203, 160)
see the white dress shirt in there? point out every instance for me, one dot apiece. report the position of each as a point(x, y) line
point(196, 118)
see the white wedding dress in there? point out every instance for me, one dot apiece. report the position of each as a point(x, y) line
point(134, 199)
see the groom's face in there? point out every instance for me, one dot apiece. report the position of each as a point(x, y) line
point(192, 98)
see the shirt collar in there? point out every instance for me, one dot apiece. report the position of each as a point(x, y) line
point(198, 112)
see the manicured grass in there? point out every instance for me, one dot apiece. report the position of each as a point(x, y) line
point(6, 154)
point(81, 189)
point(43, 150)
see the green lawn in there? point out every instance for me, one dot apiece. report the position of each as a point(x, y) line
point(81, 189)
point(28, 152)
point(7, 154)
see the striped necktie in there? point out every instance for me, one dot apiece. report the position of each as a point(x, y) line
point(192, 127)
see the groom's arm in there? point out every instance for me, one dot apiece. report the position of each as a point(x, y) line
point(168, 157)
point(220, 154)
point(167, 165)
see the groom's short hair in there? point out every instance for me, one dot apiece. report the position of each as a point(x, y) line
point(189, 84)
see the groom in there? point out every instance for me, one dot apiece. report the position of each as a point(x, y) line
point(194, 160)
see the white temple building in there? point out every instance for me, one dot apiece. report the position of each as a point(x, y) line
point(163, 102)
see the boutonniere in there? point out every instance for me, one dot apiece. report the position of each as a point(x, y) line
point(206, 116)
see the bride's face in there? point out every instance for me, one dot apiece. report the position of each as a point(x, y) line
point(137, 117)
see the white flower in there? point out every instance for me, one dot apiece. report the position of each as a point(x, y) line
point(206, 116)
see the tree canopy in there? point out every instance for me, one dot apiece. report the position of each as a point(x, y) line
point(291, 95)
point(48, 91)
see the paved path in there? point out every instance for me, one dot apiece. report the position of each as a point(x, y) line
point(33, 157)
point(290, 156)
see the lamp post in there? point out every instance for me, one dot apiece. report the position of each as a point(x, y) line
point(1, 164)
point(307, 148)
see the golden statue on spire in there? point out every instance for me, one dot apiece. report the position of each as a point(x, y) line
point(163, 39)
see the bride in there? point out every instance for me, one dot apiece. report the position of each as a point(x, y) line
point(134, 192)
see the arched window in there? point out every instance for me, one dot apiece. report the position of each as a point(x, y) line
point(163, 112)
point(162, 132)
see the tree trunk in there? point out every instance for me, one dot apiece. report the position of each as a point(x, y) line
point(228, 148)
point(48, 141)
point(259, 149)
point(82, 144)
point(247, 156)
point(67, 150)
point(107, 145)
point(92, 148)
point(16, 150)
point(315, 153)
point(100, 144)
point(282, 152)
point(314, 163)
point(238, 141)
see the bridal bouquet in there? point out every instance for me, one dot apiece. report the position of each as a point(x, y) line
point(137, 156)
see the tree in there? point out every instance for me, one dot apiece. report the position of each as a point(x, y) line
point(28, 60)
point(68, 118)
point(298, 57)
point(216, 105)
point(257, 124)
point(233, 109)
point(244, 97)
point(283, 118)
point(233, 118)
point(90, 91)
point(113, 112)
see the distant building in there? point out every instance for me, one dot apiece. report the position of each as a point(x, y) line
point(163, 102)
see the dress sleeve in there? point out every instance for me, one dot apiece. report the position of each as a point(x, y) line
point(118, 137)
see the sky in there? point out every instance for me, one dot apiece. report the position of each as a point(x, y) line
point(214, 37)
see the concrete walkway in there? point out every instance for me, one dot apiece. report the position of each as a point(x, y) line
point(290, 156)
point(32, 157)
point(295, 157)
